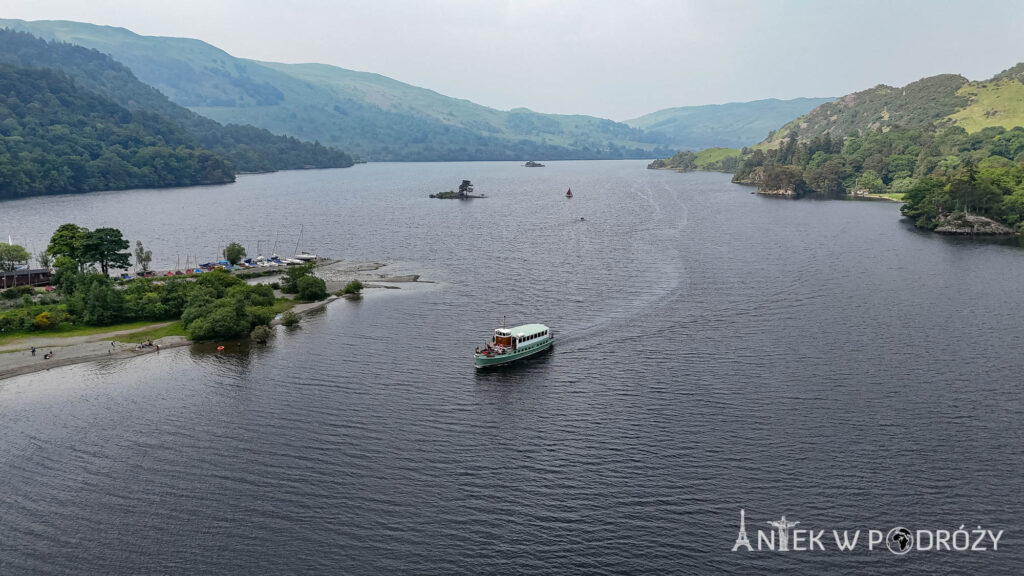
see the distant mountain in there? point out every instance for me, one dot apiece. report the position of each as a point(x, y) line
point(375, 117)
point(249, 149)
point(731, 125)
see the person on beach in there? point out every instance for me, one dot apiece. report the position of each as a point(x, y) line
point(33, 350)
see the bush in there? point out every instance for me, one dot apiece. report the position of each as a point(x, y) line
point(42, 320)
point(311, 288)
point(289, 318)
point(17, 292)
point(261, 314)
point(224, 318)
point(292, 276)
point(261, 334)
point(353, 287)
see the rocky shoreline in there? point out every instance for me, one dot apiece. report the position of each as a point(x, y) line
point(961, 224)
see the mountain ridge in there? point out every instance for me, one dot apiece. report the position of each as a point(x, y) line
point(729, 125)
point(248, 148)
point(388, 126)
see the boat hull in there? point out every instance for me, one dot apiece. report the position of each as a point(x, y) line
point(489, 360)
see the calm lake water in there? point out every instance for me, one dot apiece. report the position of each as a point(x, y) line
point(716, 350)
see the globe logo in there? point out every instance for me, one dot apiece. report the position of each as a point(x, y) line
point(899, 540)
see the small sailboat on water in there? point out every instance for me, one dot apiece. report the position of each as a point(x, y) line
point(569, 193)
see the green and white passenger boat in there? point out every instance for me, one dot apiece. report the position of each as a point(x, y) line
point(511, 344)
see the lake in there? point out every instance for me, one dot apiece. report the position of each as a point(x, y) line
point(716, 351)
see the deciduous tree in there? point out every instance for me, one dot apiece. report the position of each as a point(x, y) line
point(11, 256)
point(234, 253)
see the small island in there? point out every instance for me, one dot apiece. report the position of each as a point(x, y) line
point(532, 164)
point(465, 192)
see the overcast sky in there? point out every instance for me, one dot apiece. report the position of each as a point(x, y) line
point(613, 59)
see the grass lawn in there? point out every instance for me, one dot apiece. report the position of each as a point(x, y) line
point(175, 329)
point(711, 155)
point(70, 332)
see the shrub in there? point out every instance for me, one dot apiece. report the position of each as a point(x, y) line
point(311, 288)
point(292, 276)
point(353, 287)
point(261, 314)
point(17, 292)
point(261, 334)
point(289, 318)
point(224, 318)
point(42, 320)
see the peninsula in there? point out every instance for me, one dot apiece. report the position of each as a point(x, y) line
point(951, 150)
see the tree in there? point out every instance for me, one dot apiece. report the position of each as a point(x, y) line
point(289, 318)
point(67, 241)
point(311, 288)
point(292, 275)
point(11, 255)
point(870, 181)
point(104, 246)
point(44, 259)
point(142, 256)
point(234, 253)
point(224, 318)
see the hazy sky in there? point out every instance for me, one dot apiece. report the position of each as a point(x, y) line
point(613, 59)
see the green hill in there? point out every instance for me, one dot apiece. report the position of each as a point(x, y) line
point(932, 102)
point(731, 125)
point(995, 102)
point(248, 148)
point(923, 103)
point(367, 114)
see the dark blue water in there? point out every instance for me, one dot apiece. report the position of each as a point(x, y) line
point(716, 351)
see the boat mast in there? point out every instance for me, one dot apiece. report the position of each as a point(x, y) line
point(299, 239)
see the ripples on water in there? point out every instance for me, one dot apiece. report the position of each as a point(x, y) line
point(716, 351)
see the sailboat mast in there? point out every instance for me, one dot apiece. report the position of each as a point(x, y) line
point(299, 239)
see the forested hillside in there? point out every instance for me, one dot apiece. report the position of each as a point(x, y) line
point(247, 148)
point(918, 104)
point(57, 138)
point(369, 115)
